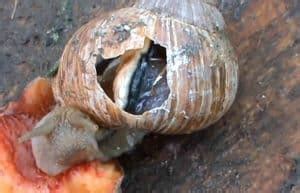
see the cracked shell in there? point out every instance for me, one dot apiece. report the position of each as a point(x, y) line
point(201, 69)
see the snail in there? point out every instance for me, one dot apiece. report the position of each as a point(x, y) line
point(159, 66)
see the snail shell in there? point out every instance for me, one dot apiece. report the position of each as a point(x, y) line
point(201, 69)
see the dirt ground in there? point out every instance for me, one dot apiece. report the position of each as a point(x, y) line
point(255, 147)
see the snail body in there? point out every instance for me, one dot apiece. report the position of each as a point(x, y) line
point(201, 67)
point(64, 137)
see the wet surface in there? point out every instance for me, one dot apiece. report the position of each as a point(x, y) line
point(255, 147)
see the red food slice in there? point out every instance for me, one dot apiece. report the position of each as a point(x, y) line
point(18, 172)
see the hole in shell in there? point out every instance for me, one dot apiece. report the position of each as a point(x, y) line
point(136, 81)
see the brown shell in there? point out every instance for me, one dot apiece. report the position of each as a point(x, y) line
point(202, 70)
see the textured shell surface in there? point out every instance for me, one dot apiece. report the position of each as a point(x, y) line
point(202, 69)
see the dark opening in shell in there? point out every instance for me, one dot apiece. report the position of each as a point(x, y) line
point(148, 85)
point(148, 89)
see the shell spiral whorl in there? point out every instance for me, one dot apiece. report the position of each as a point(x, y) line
point(202, 70)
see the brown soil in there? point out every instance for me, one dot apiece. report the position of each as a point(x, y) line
point(255, 147)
